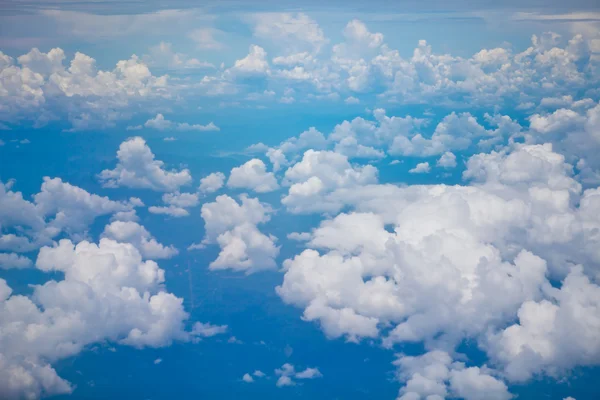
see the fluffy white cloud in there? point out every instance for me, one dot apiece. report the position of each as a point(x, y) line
point(421, 168)
point(211, 183)
point(553, 335)
point(58, 208)
point(107, 294)
point(317, 175)
point(137, 168)
point(40, 86)
point(461, 262)
point(137, 235)
point(233, 226)
point(73, 209)
point(176, 204)
point(255, 64)
point(253, 175)
point(447, 160)
point(434, 376)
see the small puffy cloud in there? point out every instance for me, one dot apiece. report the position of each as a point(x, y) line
point(299, 237)
point(247, 378)
point(171, 211)
point(351, 100)
point(137, 168)
point(447, 160)
point(255, 64)
point(233, 226)
point(137, 235)
point(309, 373)
point(253, 175)
point(211, 183)
point(208, 330)
point(421, 168)
point(177, 204)
point(287, 373)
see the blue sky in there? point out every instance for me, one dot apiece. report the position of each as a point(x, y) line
point(265, 200)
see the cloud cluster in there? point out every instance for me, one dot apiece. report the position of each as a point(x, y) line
point(439, 264)
point(287, 373)
point(39, 86)
point(108, 293)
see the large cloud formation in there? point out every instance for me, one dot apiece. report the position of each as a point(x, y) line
point(108, 294)
point(460, 262)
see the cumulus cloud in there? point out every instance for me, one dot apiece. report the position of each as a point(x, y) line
point(447, 160)
point(137, 235)
point(177, 204)
point(38, 86)
point(435, 376)
point(108, 293)
point(211, 183)
point(458, 262)
point(137, 168)
point(317, 175)
point(233, 226)
point(421, 168)
point(58, 208)
point(253, 175)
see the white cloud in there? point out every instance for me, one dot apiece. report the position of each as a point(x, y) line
point(421, 168)
point(137, 235)
point(177, 204)
point(233, 226)
point(208, 330)
point(287, 373)
point(107, 294)
point(317, 175)
point(247, 378)
point(434, 376)
point(73, 209)
point(211, 183)
point(461, 262)
point(253, 175)
point(253, 65)
point(447, 160)
point(137, 168)
point(42, 89)
point(14, 261)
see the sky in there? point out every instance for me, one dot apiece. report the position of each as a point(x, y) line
point(326, 200)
